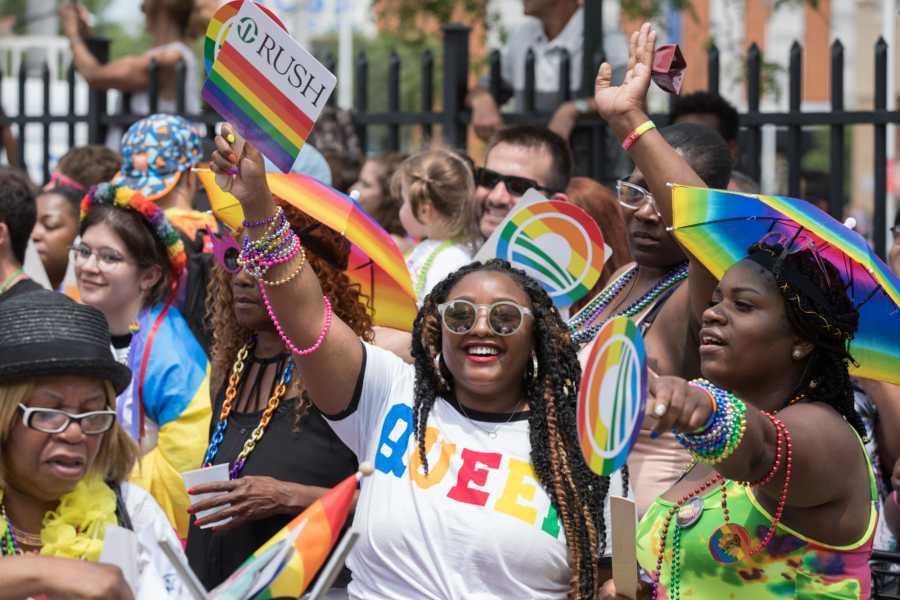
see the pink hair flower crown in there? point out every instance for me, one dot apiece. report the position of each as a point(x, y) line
point(107, 193)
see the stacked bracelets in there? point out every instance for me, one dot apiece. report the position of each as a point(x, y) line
point(724, 430)
point(277, 245)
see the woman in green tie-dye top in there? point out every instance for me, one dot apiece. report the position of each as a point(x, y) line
point(780, 500)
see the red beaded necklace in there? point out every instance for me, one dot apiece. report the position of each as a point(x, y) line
point(783, 439)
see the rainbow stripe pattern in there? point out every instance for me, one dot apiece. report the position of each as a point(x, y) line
point(718, 227)
point(324, 520)
point(612, 396)
point(376, 263)
point(219, 26)
point(558, 244)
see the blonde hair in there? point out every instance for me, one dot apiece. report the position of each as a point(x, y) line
point(444, 180)
point(118, 452)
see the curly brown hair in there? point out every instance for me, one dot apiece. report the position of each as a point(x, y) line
point(327, 252)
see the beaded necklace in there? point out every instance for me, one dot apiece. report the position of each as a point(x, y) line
point(420, 282)
point(9, 545)
point(599, 304)
point(783, 450)
point(9, 281)
point(260, 430)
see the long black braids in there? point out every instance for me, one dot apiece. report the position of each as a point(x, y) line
point(826, 377)
point(577, 492)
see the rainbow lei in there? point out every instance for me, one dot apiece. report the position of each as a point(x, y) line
point(107, 193)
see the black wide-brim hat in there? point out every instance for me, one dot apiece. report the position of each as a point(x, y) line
point(47, 334)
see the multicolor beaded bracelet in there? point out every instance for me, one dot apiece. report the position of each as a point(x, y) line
point(725, 431)
point(277, 214)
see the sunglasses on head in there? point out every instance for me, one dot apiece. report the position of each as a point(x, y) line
point(504, 318)
point(798, 243)
point(516, 186)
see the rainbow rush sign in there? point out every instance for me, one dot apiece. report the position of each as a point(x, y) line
point(267, 86)
point(219, 26)
point(612, 396)
point(556, 243)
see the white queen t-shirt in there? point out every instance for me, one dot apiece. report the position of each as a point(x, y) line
point(479, 525)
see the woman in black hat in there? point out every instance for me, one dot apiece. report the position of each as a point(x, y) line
point(64, 458)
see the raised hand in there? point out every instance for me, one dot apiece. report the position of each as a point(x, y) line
point(614, 102)
point(249, 169)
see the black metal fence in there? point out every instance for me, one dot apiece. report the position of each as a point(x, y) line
point(593, 133)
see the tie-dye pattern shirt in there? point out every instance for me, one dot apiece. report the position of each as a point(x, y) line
point(791, 566)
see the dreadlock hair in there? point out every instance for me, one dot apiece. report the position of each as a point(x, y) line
point(826, 377)
point(577, 492)
point(326, 253)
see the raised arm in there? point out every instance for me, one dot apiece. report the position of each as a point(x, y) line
point(330, 372)
point(623, 108)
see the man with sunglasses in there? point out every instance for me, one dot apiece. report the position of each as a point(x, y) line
point(518, 159)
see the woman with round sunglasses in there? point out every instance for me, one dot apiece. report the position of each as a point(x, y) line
point(480, 488)
point(127, 264)
point(65, 459)
point(758, 514)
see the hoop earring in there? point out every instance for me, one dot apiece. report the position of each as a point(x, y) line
point(534, 373)
point(437, 369)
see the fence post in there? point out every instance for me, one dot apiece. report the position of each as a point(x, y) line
point(456, 79)
point(45, 79)
point(20, 142)
point(70, 79)
point(529, 82)
point(362, 100)
point(153, 86)
point(712, 70)
point(99, 47)
point(565, 68)
point(180, 74)
point(427, 94)
point(836, 163)
point(879, 225)
point(393, 139)
point(794, 131)
point(593, 41)
point(753, 93)
point(495, 75)
point(331, 65)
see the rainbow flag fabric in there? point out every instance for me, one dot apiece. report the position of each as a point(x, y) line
point(376, 263)
point(267, 86)
point(324, 520)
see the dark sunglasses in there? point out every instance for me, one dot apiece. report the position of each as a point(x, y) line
point(516, 186)
point(504, 318)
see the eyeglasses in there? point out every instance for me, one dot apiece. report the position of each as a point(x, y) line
point(801, 242)
point(49, 420)
point(504, 318)
point(634, 196)
point(107, 260)
point(516, 186)
point(896, 231)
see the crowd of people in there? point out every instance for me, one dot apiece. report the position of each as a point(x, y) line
point(151, 356)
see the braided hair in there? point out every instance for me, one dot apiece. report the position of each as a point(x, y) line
point(826, 377)
point(577, 492)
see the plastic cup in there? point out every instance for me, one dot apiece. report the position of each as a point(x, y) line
point(207, 475)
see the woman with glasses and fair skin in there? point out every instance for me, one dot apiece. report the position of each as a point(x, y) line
point(479, 475)
point(61, 445)
point(126, 265)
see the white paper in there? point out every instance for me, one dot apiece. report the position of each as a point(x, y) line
point(207, 475)
point(159, 578)
point(120, 548)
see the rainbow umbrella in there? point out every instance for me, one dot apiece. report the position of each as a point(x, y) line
point(322, 523)
point(718, 227)
point(376, 263)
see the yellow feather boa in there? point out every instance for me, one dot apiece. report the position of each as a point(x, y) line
point(76, 528)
